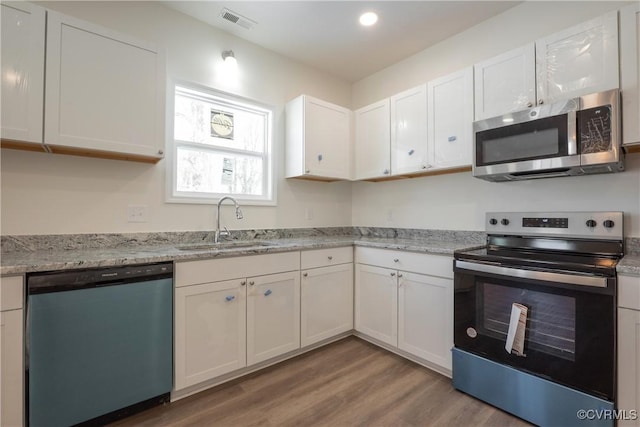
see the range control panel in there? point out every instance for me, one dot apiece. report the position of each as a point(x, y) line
point(595, 225)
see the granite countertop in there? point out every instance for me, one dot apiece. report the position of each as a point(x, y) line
point(22, 261)
point(629, 265)
point(26, 254)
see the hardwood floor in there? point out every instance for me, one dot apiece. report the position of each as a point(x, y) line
point(347, 383)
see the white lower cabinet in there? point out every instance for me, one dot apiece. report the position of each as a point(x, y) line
point(629, 348)
point(234, 312)
point(11, 351)
point(273, 316)
point(210, 331)
point(377, 303)
point(405, 300)
point(326, 302)
point(425, 317)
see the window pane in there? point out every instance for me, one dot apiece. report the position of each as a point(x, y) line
point(213, 123)
point(204, 171)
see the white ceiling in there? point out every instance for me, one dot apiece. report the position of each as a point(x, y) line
point(326, 34)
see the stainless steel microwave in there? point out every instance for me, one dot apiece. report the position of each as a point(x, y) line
point(573, 137)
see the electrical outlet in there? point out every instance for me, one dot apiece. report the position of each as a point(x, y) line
point(137, 213)
point(389, 215)
point(308, 214)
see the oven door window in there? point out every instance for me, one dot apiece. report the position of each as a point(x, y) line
point(569, 335)
point(550, 322)
point(537, 139)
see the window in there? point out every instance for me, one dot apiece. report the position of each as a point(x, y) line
point(221, 146)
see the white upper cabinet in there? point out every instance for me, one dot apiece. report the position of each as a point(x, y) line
point(630, 72)
point(450, 120)
point(22, 37)
point(318, 139)
point(372, 152)
point(409, 131)
point(505, 83)
point(579, 60)
point(105, 92)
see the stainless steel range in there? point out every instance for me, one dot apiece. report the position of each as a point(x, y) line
point(535, 316)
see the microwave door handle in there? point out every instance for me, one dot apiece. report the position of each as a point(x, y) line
point(572, 140)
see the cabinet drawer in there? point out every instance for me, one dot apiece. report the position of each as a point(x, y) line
point(433, 265)
point(326, 257)
point(215, 270)
point(11, 293)
point(629, 292)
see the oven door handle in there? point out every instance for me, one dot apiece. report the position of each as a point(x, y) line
point(594, 281)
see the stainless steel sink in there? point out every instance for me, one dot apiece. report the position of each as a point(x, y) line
point(224, 245)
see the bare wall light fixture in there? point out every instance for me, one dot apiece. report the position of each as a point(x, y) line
point(368, 19)
point(230, 60)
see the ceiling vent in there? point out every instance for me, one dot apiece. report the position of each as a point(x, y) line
point(237, 19)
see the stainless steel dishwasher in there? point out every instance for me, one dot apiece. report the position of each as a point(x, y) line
point(99, 343)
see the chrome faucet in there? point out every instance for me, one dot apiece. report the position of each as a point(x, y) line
point(226, 232)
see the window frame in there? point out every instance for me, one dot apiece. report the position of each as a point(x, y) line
point(268, 156)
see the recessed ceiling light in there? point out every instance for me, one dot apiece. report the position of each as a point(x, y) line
point(368, 19)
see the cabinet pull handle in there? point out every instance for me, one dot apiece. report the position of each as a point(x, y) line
point(541, 101)
point(399, 274)
point(411, 151)
point(385, 172)
point(307, 171)
point(396, 260)
point(393, 274)
point(330, 257)
point(529, 104)
point(305, 274)
point(252, 283)
point(230, 297)
point(244, 282)
point(266, 294)
point(161, 152)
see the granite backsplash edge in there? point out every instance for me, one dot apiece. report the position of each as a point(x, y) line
point(32, 243)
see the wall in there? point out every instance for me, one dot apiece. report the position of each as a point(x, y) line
point(459, 201)
point(47, 194)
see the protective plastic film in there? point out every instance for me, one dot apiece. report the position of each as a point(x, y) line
point(580, 60)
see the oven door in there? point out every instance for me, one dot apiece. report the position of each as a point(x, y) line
point(570, 325)
point(538, 142)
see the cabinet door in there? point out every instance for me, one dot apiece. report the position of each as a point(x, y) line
point(327, 139)
point(628, 363)
point(210, 331)
point(579, 60)
point(22, 39)
point(630, 72)
point(104, 91)
point(450, 122)
point(327, 303)
point(376, 308)
point(505, 83)
point(273, 316)
point(12, 370)
point(425, 317)
point(372, 149)
point(409, 131)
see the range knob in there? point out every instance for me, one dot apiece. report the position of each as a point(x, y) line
point(608, 224)
point(504, 221)
point(493, 221)
point(591, 223)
